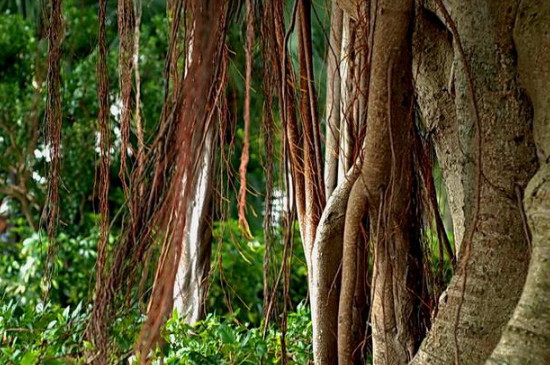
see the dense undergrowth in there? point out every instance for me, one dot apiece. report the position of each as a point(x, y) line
point(50, 334)
point(35, 329)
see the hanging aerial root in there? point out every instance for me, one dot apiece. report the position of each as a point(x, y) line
point(137, 115)
point(196, 95)
point(133, 246)
point(126, 34)
point(243, 223)
point(268, 209)
point(53, 120)
point(333, 100)
point(286, 267)
point(271, 65)
point(313, 170)
point(96, 330)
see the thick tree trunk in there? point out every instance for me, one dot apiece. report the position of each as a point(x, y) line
point(190, 287)
point(498, 253)
point(526, 339)
point(384, 190)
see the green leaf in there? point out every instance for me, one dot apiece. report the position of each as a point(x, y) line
point(53, 362)
point(77, 310)
point(66, 312)
point(51, 324)
point(30, 358)
point(226, 334)
point(261, 349)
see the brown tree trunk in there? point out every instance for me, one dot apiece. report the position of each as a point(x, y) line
point(333, 101)
point(325, 279)
point(384, 190)
point(485, 205)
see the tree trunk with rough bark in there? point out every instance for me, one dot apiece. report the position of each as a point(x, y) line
point(434, 89)
point(472, 315)
point(526, 339)
point(494, 259)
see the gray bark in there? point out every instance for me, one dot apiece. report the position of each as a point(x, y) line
point(346, 102)
point(526, 339)
point(434, 87)
point(498, 257)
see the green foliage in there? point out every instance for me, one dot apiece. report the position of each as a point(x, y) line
point(22, 268)
point(44, 334)
point(16, 42)
point(23, 68)
point(236, 261)
point(223, 340)
point(16, 91)
point(435, 258)
point(220, 337)
point(50, 334)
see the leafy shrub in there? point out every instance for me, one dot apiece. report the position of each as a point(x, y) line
point(43, 334)
point(223, 340)
point(52, 335)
